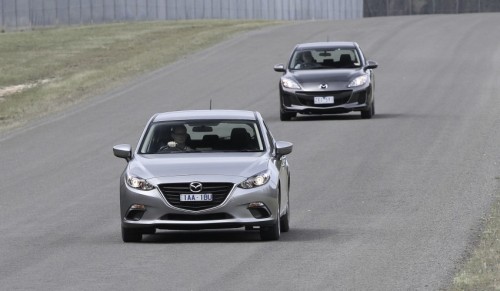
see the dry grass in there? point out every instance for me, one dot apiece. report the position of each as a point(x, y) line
point(48, 69)
point(482, 270)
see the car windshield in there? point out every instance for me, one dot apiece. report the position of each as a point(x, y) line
point(202, 136)
point(325, 58)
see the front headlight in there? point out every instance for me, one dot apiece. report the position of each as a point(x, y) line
point(139, 183)
point(290, 84)
point(256, 180)
point(359, 81)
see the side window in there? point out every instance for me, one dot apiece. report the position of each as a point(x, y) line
point(296, 60)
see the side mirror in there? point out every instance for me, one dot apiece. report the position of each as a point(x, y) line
point(123, 151)
point(279, 68)
point(283, 148)
point(371, 65)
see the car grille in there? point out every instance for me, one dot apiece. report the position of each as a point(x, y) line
point(172, 192)
point(307, 98)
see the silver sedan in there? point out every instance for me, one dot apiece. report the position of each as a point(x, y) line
point(204, 169)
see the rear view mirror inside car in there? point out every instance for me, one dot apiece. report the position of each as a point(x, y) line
point(202, 128)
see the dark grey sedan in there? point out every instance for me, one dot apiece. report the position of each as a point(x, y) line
point(205, 169)
point(327, 78)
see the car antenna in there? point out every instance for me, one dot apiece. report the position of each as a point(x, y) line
point(210, 104)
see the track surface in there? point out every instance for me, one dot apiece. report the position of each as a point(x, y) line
point(391, 203)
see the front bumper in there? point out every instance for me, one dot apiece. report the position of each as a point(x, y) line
point(152, 210)
point(344, 101)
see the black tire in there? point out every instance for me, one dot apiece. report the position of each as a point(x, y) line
point(367, 114)
point(131, 235)
point(272, 232)
point(287, 116)
point(149, 231)
point(285, 219)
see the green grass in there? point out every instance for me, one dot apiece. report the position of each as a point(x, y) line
point(62, 66)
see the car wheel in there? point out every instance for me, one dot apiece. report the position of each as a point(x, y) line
point(285, 219)
point(272, 232)
point(131, 235)
point(286, 116)
point(367, 114)
point(149, 231)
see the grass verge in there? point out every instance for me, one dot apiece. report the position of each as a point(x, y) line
point(482, 270)
point(46, 70)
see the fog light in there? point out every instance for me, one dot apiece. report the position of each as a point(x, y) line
point(137, 207)
point(256, 205)
point(259, 210)
point(135, 212)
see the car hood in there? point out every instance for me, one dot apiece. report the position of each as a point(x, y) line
point(172, 165)
point(337, 78)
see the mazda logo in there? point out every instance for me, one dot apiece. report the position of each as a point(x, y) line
point(195, 187)
point(323, 86)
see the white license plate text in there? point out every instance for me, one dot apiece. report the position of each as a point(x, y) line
point(196, 197)
point(324, 100)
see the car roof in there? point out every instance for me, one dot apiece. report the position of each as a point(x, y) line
point(206, 114)
point(326, 44)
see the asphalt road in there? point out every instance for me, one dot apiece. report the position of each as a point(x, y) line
point(390, 203)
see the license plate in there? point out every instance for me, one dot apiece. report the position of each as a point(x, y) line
point(323, 100)
point(196, 197)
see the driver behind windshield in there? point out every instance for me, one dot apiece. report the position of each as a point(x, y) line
point(305, 60)
point(178, 143)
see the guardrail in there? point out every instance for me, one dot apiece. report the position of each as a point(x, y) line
point(25, 14)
